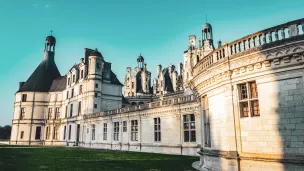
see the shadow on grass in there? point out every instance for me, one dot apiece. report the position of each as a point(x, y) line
point(90, 159)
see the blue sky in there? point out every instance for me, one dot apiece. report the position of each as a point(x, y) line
point(120, 30)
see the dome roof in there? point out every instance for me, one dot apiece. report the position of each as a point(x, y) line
point(96, 53)
point(140, 58)
point(206, 25)
point(51, 39)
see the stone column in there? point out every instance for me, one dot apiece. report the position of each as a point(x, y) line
point(270, 37)
point(264, 38)
point(258, 41)
point(282, 33)
point(276, 35)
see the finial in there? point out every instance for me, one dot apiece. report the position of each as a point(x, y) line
point(51, 32)
point(96, 49)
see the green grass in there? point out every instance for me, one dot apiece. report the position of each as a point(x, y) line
point(61, 158)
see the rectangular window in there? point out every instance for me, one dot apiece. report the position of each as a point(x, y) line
point(189, 128)
point(64, 132)
point(71, 110)
point(55, 133)
point(80, 89)
point(66, 111)
point(73, 78)
point(70, 129)
point(206, 122)
point(38, 133)
point(79, 108)
point(67, 95)
point(69, 80)
point(248, 99)
point(134, 130)
point(22, 113)
point(124, 124)
point(72, 93)
point(105, 131)
point(95, 106)
point(57, 113)
point(96, 94)
point(50, 113)
point(157, 132)
point(24, 97)
point(21, 134)
point(93, 132)
point(96, 85)
point(116, 131)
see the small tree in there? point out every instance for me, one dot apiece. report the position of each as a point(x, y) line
point(5, 132)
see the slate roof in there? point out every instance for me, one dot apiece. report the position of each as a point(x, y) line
point(114, 79)
point(59, 84)
point(42, 78)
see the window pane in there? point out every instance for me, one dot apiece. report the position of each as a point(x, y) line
point(244, 109)
point(186, 126)
point(243, 91)
point(193, 136)
point(192, 125)
point(255, 108)
point(192, 117)
point(186, 136)
point(254, 90)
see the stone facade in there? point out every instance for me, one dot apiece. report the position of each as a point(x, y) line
point(251, 93)
point(86, 108)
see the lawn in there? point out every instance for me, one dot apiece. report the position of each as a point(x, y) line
point(63, 158)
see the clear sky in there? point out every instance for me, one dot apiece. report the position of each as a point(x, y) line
point(120, 30)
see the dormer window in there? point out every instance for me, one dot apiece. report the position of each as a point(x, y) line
point(69, 80)
point(73, 78)
point(24, 97)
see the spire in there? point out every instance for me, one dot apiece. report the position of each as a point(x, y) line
point(51, 32)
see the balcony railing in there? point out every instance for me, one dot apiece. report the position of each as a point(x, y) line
point(253, 41)
point(151, 105)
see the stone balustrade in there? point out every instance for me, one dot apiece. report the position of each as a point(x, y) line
point(151, 105)
point(252, 41)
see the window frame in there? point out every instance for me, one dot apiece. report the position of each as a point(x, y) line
point(249, 100)
point(71, 110)
point(21, 134)
point(22, 113)
point(189, 130)
point(116, 131)
point(93, 132)
point(105, 131)
point(157, 129)
point(134, 130)
point(24, 98)
point(124, 126)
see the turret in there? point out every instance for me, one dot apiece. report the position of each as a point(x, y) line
point(95, 64)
